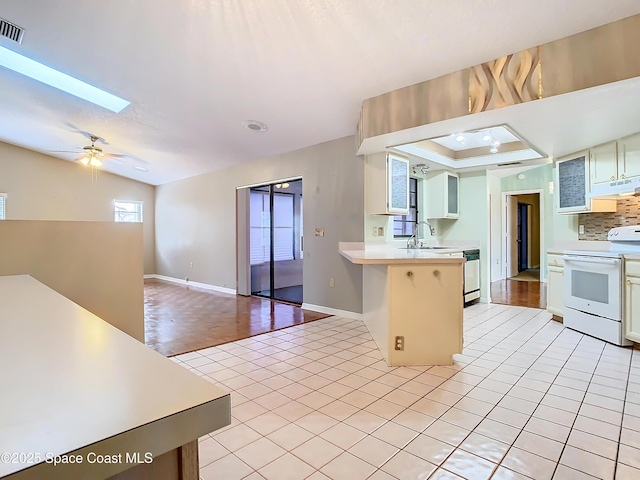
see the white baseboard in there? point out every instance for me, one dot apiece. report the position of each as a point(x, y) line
point(332, 311)
point(484, 300)
point(205, 286)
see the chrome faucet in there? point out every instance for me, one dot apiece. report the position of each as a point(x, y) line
point(413, 240)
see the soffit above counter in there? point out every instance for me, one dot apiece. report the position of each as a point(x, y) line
point(559, 97)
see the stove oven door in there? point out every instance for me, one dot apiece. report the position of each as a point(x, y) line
point(594, 285)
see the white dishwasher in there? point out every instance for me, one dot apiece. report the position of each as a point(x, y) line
point(471, 289)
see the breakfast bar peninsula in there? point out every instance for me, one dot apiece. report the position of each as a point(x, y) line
point(83, 400)
point(412, 301)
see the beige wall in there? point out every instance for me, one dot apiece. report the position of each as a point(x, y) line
point(98, 265)
point(40, 187)
point(196, 221)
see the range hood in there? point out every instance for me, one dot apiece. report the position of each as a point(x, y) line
point(616, 188)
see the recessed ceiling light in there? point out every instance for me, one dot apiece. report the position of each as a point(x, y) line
point(460, 138)
point(255, 125)
point(496, 143)
point(486, 138)
point(142, 169)
point(493, 150)
point(32, 69)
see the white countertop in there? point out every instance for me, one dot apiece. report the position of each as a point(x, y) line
point(70, 379)
point(362, 254)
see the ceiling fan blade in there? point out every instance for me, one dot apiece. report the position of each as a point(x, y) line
point(114, 155)
point(61, 151)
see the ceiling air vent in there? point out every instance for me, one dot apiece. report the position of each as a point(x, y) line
point(11, 31)
point(510, 164)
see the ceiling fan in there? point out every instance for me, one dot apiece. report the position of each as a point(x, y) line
point(92, 155)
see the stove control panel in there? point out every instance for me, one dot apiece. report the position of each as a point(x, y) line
point(625, 234)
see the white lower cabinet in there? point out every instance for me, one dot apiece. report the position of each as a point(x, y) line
point(555, 284)
point(632, 300)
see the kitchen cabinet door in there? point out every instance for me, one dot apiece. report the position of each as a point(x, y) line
point(398, 185)
point(632, 309)
point(603, 163)
point(386, 184)
point(555, 290)
point(443, 195)
point(573, 187)
point(629, 157)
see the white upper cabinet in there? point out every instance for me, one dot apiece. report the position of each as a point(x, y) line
point(443, 195)
point(615, 161)
point(629, 157)
point(573, 186)
point(603, 163)
point(387, 184)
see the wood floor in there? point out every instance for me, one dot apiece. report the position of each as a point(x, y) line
point(515, 292)
point(181, 319)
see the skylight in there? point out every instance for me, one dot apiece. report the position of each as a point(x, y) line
point(30, 68)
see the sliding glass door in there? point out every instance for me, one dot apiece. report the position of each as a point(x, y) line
point(276, 241)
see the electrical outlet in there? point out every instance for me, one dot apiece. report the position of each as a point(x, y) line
point(332, 282)
point(186, 279)
point(399, 343)
point(581, 229)
point(381, 231)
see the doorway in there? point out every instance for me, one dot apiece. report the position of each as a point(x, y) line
point(275, 241)
point(522, 251)
point(523, 236)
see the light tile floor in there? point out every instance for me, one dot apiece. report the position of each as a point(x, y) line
point(527, 399)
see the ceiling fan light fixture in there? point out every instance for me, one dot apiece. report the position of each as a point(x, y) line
point(94, 161)
point(84, 161)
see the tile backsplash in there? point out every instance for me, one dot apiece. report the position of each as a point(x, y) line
point(597, 225)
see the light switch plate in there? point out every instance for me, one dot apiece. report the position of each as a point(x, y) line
point(581, 229)
point(319, 232)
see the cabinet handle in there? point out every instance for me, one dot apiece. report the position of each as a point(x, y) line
point(410, 274)
point(622, 177)
point(612, 178)
point(628, 282)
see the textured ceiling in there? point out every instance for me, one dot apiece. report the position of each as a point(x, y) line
point(195, 69)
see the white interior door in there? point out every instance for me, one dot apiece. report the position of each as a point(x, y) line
point(511, 236)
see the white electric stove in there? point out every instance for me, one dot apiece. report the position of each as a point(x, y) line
point(594, 292)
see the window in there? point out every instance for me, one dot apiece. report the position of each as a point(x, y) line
point(127, 211)
point(283, 231)
point(404, 225)
point(3, 205)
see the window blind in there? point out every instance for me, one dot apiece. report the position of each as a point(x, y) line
point(259, 226)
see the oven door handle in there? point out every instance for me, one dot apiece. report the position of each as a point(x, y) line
point(602, 261)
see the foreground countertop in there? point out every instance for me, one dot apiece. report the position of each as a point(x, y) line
point(362, 254)
point(71, 382)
